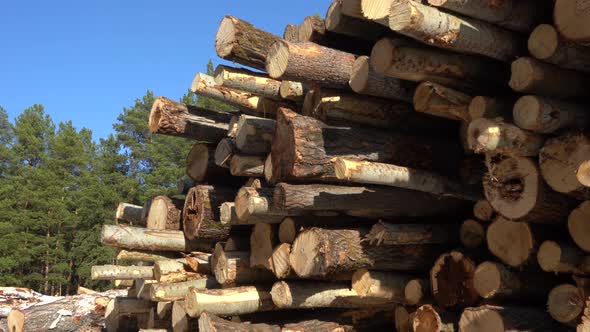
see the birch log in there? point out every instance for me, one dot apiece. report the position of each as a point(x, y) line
point(175, 291)
point(146, 239)
point(298, 295)
point(228, 301)
point(115, 272)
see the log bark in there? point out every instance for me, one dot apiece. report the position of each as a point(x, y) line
point(146, 239)
point(144, 256)
point(546, 44)
point(233, 267)
point(435, 99)
point(173, 271)
point(321, 252)
point(280, 266)
point(291, 32)
point(429, 319)
point(262, 240)
point(254, 135)
point(411, 61)
point(239, 41)
point(309, 63)
point(181, 322)
point(115, 272)
point(367, 202)
point(313, 29)
point(201, 213)
point(489, 318)
point(497, 137)
point(451, 278)
point(303, 149)
point(472, 234)
point(535, 77)
point(417, 291)
point(483, 210)
point(338, 22)
point(248, 166)
point(229, 301)
point(165, 213)
point(201, 165)
point(365, 80)
point(515, 190)
point(387, 287)
point(175, 291)
point(559, 161)
point(212, 323)
point(544, 115)
point(177, 119)
point(389, 234)
point(578, 226)
point(226, 148)
point(257, 205)
point(130, 213)
point(300, 294)
point(445, 30)
point(562, 257)
point(571, 19)
point(565, 304)
point(247, 81)
point(244, 101)
point(514, 15)
point(490, 108)
point(294, 91)
point(229, 216)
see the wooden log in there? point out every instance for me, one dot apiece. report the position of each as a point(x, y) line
point(429, 319)
point(304, 147)
point(212, 323)
point(490, 108)
point(165, 213)
point(294, 91)
point(376, 10)
point(321, 252)
point(288, 230)
point(571, 20)
point(451, 278)
point(483, 210)
point(300, 294)
point(184, 184)
point(280, 266)
point(313, 29)
point(338, 22)
point(233, 267)
point(547, 45)
point(247, 81)
point(229, 216)
point(181, 322)
point(173, 271)
point(129, 213)
point(310, 63)
point(578, 226)
point(201, 165)
point(262, 240)
point(255, 205)
point(411, 61)
point(164, 310)
point(239, 41)
point(254, 135)
point(226, 148)
point(515, 190)
point(402, 319)
point(16, 321)
point(175, 291)
point(516, 15)
point(201, 212)
point(559, 161)
point(535, 77)
point(496, 137)
point(417, 291)
point(435, 99)
point(144, 256)
point(352, 8)
point(489, 318)
point(291, 32)
point(177, 119)
point(583, 173)
point(123, 284)
point(145, 211)
point(229, 301)
point(544, 115)
point(472, 234)
point(365, 80)
point(142, 289)
point(402, 177)
point(565, 304)
point(366, 202)
point(380, 286)
point(389, 234)
point(115, 272)
point(128, 306)
point(445, 30)
point(562, 257)
point(244, 101)
point(146, 239)
point(248, 166)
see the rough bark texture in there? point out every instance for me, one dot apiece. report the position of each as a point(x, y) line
point(254, 135)
point(165, 213)
point(115, 272)
point(497, 137)
point(201, 213)
point(233, 267)
point(201, 165)
point(451, 278)
point(546, 44)
point(144, 256)
point(175, 291)
point(244, 101)
point(365, 80)
point(247, 81)
point(228, 301)
point(489, 318)
point(438, 100)
point(146, 239)
point(338, 22)
point(130, 213)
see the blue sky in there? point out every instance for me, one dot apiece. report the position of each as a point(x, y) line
point(86, 60)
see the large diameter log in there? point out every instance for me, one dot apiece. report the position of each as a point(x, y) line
point(337, 21)
point(181, 322)
point(368, 202)
point(144, 256)
point(254, 205)
point(546, 44)
point(115, 272)
point(578, 226)
point(417, 291)
point(246, 102)
point(175, 291)
point(535, 77)
point(562, 257)
point(402, 177)
point(389, 234)
point(130, 213)
point(300, 294)
point(16, 321)
point(428, 319)
point(490, 108)
point(497, 137)
point(239, 41)
point(571, 19)
point(201, 212)
point(147, 239)
point(201, 165)
point(515, 189)
point(233, 267)
point(565, 304)
point(321, 252)
point(254, 135)
point(313, 29)
point(177, 119)
point(365, 80)
point(413, 62)
point(451, 278)
point(560, 159)
point(229, 301)
point(437, 100)
point(388, 287)
point(247, 81)
point(489, 318)
point(544, 115)
point(445, 30)
point(515, 15)
point(309, 62)
point(165, 213)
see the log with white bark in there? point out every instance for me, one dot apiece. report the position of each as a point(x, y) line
point(116, 272)
point(417, 291)
point(389, 234)
point(294, 91)
point(244, 101)
point(546, 44)
point(247, 81)
point(201, 165)
point(497, 137)
point(165, 213)
point(472, 233)
point(565, 304)
point(147, 239)
point(451, 278)
point(144, 256)
point(430, 319)
point(562, 257)
point(572, 20)
point(130, 213)
point(177, 119)
point(254, 205)
point(338, 22)
point(365, 80)
point(545, 115)
point(229, 216)
point(313, 29)
point(175, 291)
point(378, 286)
point(262, 240)
point(254, 135)
point(201, 212)
point(301, 294)
point(233, 267)
point(228, 301)
point(445, 30)
point(491, 108)
point(239, 41)
point(489, 318)
point(438, 100)
point(173, 271)
point(578, 226)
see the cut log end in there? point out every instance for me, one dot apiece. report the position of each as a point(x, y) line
point(277, 59)
point(472, 234)
point(451, 278)
point(197, 161)
point(523, 74)
point(360, 74)
point(382, 55)
point(571, 19)
point(487, 279)
point(481, 319)
point(543, 41)
point(402, 15)
point(304, 254)
point(16, 321)
point(280, 260)
point(281, 294)
point(416, 291)
point(583, 173)
point(225, 38)
point(482, 210)
point(549, 256)
point(155, 115)
point(579, 227)
point(287, 230)
point(510, 241)
point(375, 9)
point(426, 319)
point(565, 304)
point(529, 113)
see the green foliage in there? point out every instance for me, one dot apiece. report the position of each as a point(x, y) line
point(210, 103)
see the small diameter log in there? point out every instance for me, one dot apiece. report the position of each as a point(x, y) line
point(301, 294)
point(516, 15)
point(489, 318)
point(309, 62)
point(229, 216)
point(233, 267)
point(226, 148)
point(239, 41)
point(262, 240)
point(212, 323)
point(428, 319)
point(515, 189)
point(417, 291)
point(313, 29)
point(579, 227)
point(571, 20)
point(201, 165)
point(246, 102)
point(201, 212)
point(173, 271)
point(535, 77)
point(256, 205)
point(338, 22)
point(247, 81)
point(451, 278)
point(560, 159)
point(148, 239)
point(389, 234)
point(254, 135)
point(165, 213)
point(445, 30)
point(229, 301)
point(248, 166)
point(177, 119)
point(144, 256)
point(402, 177)
point(294, 91)
point(562, 257)
point(402, 319)
point(175, 291)
point(291, 32)
point(288, 230)
point(472, 233)
point(496, 137)
point(115, 272)
point(130, 213)
point(547, 45)
point(280, 266)
point(387, 287)
point(490, 108)
point(366, 202)
point(544, 115)
point(365, 80)
point(321, 252)
point(565, 304)
point(16, 321)
point(181, 322)
point(483, 210)
point(435, 99)
point(410, 61)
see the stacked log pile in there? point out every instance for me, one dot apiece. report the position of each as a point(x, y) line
point(396, 165)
